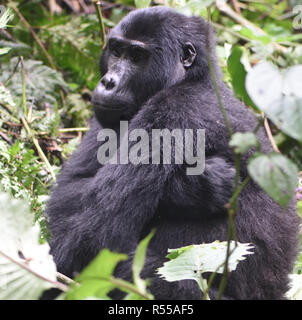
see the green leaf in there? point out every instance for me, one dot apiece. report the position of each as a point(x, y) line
point(238, 75)
point(278, 95)
point(276, 175)
point(242, 142)
point(103, 265)
point(138, 262)
point(192, 261)
point(95, 278)
point(25, 264)
point(286, 113)
point(142, 3)
point(4, 50)
point(5, 16)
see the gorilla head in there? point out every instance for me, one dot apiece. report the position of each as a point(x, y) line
point(149, 50)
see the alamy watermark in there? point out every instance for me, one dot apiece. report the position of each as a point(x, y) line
point(297, 22)
point(160, 146)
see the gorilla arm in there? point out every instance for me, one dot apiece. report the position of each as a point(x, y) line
point(121, 199)
point(76, 174)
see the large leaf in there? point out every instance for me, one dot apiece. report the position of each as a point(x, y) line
point(139, 261)
point(286, 113)
point(5, 16)
point(276, 175)
point(192, 261)
point(278, 95)
point(95, 278)
point(26, 268)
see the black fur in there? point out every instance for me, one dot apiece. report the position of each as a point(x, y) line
point(115, 206)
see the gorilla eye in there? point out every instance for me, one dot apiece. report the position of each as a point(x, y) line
point(116, 51)
point(137, 54)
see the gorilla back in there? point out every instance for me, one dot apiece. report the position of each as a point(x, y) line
point(156, 76)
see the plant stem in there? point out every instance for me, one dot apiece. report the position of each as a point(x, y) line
point(214, 80)
point(39, 149)
point(39, 42)
point(56, 284)
point(97, 5)
point(64, 278)
point(123, 284)
point(226, 9)
point(23, 88)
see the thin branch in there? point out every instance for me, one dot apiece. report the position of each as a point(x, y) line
point(64, 278)
point(6, 138)
point(269, 134)
point(56, 284)
point(64, 130)
point(239, 189)
point(14, 71)
point(23, 87)
point(82, 129)
point(122, 283)
point(214, 81)
point(39, 149)
point(5, 113)
point(39, 42)
point(226, 9)
point(236, 6)
point(97, 5)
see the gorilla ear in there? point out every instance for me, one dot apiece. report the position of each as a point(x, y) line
point(189, 54)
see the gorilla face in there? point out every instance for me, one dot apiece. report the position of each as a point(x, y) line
point(137, 63)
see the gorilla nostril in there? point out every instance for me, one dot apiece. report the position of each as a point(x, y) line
point(108, 83)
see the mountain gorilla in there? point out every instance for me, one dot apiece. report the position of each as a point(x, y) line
point(156, 75)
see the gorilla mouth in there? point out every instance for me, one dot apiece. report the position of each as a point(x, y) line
point(112, 104)
point(106, 107)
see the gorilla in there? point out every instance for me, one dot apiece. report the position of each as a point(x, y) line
point(155, 75)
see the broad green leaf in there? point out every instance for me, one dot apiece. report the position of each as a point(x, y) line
point(139, 261)
point(26, 268)
point(276, 175)
point(94, 279)
point(264, 85)
point(142, 3)
point(278, 95)
point(192, 261)
point(286, 113)
point(242, 142)
point(254, 35)
point(5, 16)
point(4, 50)
point(238, 75)
point(103, 265)
point(293, 81)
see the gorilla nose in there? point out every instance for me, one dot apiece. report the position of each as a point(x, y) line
point(108, 82)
